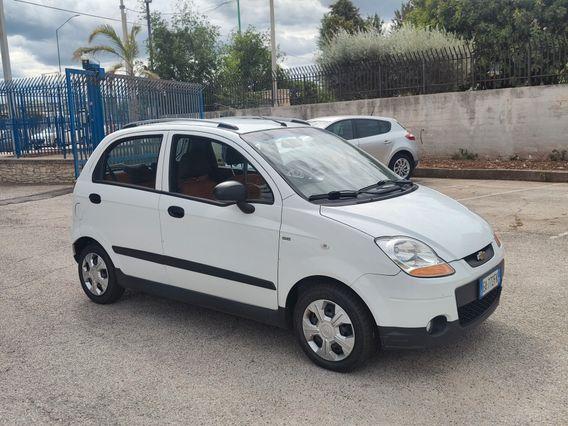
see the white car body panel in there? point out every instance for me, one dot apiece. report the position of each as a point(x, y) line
point(223, 237)
point(451, 229)
point(285, 242)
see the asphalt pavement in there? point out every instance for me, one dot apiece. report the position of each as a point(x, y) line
point(148, 360)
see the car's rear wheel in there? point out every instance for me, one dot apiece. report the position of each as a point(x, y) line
point(334, 327)
point(98, 276)
point(402, 164)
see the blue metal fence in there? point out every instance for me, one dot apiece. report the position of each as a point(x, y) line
point(59, 114)
point(33, 116)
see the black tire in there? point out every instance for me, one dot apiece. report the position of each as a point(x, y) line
point(404, 156)
point(113, 290)
point(363, 325)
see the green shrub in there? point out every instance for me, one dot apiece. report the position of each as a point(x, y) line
point(558, 155)
point(345, 48)
point(464, 154)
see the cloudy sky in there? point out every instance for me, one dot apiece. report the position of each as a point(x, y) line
point(31, 29)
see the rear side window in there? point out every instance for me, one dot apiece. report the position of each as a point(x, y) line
point(342, 128)
point(131, 161)
point(366, 128)
point(199, 164)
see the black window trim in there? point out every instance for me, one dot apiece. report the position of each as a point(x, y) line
point(103, 157)
point(356, 129)
point(353, 133)
point(176, 133)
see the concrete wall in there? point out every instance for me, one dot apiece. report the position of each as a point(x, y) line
point(528, 121)
point(36, 170)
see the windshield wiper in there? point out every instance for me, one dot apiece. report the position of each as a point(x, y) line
point(334, 195)
point(400, 183)
point(349, 193)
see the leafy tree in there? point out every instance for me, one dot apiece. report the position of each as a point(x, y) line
point(401, 14)
point(494, 23)
point(246, 60)
point(186, 47)
point(127, 51)
point(374, 23)
point(342, 16)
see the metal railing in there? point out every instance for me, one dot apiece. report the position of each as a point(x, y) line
point(432, 71)
point(35, 117)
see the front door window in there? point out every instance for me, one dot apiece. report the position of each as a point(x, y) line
point(199, 164)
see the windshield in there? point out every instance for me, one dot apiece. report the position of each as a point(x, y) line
point(315, 162)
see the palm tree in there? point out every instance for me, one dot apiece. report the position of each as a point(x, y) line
point(127, 50)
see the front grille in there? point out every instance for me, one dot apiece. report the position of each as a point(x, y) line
point(473, 310)
point(473, 260)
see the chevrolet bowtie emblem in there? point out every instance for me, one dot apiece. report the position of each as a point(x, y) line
point(481, 255)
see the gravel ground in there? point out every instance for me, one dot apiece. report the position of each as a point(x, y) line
point(149, 360)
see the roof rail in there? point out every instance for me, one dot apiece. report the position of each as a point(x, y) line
point(156, 121)
point(280, 120)
point(174, 119)
point(292, 120)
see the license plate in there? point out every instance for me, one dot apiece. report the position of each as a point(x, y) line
point(489, 282)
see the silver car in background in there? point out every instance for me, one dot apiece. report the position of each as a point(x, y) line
point(382, 137)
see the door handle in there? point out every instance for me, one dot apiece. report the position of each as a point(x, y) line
point(95, 198)
point(175, 211)
point(388, 141)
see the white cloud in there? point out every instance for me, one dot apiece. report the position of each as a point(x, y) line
point(33, 48)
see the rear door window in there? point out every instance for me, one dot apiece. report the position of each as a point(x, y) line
point(366, 128)
point(131, 161)
point(342, 128)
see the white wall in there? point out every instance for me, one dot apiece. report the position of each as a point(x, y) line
point(529, 121)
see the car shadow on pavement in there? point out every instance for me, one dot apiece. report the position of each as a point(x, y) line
point(493, 350)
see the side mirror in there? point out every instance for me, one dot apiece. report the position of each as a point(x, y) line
point(233, 192)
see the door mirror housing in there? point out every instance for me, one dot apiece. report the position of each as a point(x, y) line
point(235, 193)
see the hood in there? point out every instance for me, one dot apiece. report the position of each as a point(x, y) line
point(450, 228)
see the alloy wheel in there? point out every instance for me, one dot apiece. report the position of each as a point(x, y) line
point(402, 167)
point(95, 274)
point(328, 330)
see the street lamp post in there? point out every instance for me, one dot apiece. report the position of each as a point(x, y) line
point(57, 38)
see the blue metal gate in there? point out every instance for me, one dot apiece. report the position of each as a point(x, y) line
point(33, 117)
point(100, 104)
point(56, 115)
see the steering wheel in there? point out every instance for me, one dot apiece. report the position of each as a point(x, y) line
point(299, 169)
point(111, 172)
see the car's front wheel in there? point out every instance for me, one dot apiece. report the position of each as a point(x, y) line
point(97, 275)
point(402, 164)
point(334, 327)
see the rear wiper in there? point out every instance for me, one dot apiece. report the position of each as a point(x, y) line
point(381, 183)
point(334, 195)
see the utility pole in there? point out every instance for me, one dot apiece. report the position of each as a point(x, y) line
point(149, 33)
point(124, 32)
point(273, 46)
point(239, 14)
point(7, 69)
point(123, 19)
point(4, 45)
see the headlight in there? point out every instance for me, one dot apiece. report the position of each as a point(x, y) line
point(414, 257)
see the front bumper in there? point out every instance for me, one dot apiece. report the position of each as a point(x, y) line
point(419, 338)
point(403, 306)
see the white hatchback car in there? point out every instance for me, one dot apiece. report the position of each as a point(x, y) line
point(382, 137)
point(286, 224)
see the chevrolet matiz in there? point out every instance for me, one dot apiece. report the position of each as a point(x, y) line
point(287, 224)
